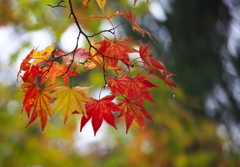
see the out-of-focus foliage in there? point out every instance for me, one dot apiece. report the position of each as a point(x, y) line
point(110, 55)
point(29, 147)
point(31, 15)
point(181, 134)
point(177, 138)
point(200, 42)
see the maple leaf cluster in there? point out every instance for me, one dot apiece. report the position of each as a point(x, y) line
point(43, 97)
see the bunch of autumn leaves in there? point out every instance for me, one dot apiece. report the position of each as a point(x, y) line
point(43, 98)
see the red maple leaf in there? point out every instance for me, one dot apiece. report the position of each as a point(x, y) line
point(129, 88)
point(119, 85)
point(139, 88)
point(132, 18)
point(31, 74)
point(31, 91)
point(133, 110)
point(115, 50)
point(25, 65)
point(100, 110)
point(155, 67)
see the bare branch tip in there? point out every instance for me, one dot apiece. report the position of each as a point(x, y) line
point(59, 4)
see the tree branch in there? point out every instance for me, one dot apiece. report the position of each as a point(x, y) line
point(58, 4)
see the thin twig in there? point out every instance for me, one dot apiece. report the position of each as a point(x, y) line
point(59, 4)
point(89, 42)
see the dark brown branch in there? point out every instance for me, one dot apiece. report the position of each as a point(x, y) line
point(89, 42)
point(110, 31)
point(59, 4)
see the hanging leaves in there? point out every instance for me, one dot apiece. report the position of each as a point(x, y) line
point(115, 50)
point(155, 67)
point(100, 110)
point(42, 73)
point(133, 20)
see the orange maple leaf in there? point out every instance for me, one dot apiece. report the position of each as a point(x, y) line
point(97, 59)
point(85, 4)
point(155, 67)
point(31, 74)
point(132, 110)
point(38, 56)
point(132, 18)
point(31, 91)
point(30, 88)
point(106, 16)
point(100, 110)
point(53, 70)
point(40, 101)
point(25, 65)
point(42, 56)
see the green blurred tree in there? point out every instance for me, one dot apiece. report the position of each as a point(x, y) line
point(199, 46)
point(199, 41)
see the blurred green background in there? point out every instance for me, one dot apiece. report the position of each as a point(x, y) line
point(198, 40)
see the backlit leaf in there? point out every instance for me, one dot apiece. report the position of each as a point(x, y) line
point(25, 65)
point(105, 16)
point(129, 88)
point(85, 4)
point(53, 70)
point(42, 56)
point(132, 110)
point(70, 99)
point(155, 67)
point(117, 50)
point(132, 18)
point(100, 110)
point(101, 4)
point(40, 101)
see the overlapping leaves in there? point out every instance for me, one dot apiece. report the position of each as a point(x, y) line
point(40, 71)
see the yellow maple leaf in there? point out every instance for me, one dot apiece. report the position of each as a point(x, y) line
point(70, 99)
point(42, 56)
point(101, 4)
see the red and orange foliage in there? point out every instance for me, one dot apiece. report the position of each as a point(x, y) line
point(44, 97)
